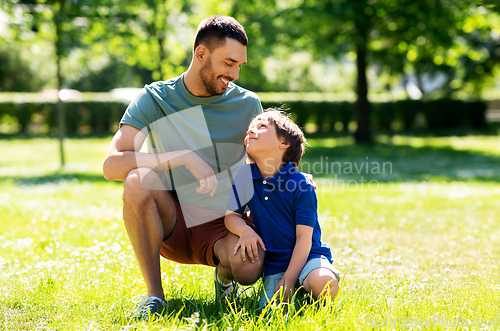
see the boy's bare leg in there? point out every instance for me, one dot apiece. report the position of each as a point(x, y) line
point(321, 281)
point(150, 217)
point(231, 266)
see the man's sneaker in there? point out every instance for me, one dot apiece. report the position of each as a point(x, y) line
point(225, 291)
point(149, 307)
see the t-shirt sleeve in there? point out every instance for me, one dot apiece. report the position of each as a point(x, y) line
point(258, 106)
point(140, 111)
point(306, 204)
point(242, 190)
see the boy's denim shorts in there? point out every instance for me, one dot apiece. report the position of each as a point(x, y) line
point(271, 281)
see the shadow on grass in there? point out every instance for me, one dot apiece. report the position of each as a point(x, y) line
point(29, 136)
point(401, 163)
point(404, 163)
point(492, 129)
point(200, 313)
point(57, 177)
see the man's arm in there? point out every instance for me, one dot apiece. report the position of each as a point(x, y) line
point(248, 238)
point(123, 156)
point(298, 260)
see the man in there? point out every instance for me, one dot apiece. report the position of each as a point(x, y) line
point(175, 195)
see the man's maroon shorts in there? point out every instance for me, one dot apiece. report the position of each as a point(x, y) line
point(194, 245)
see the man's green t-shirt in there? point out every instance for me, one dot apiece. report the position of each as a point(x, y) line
point(213, 127)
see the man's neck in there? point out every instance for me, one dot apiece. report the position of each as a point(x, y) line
point(269, 167)
point(193, 83)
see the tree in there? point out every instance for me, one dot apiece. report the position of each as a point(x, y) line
point(452, 39)
point(400, 37)
point(326, 28)
point(37, 17)
point(143, 34)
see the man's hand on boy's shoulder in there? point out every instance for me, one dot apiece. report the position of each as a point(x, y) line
point(308, 176)
point(248, 243)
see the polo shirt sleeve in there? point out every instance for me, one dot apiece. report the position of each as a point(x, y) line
point(306, 204)
point(242, 190)
point(140, 111)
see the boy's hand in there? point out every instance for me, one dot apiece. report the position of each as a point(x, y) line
point(248, 242)
point(287, 286)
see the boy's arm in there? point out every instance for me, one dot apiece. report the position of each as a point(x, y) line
point(248, 238)
point(298, 260)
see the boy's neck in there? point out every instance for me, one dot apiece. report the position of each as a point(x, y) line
point(269, 167)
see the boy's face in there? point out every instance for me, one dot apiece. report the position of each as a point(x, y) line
point(262, 140)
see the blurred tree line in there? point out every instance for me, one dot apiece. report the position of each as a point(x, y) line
point(442, 47)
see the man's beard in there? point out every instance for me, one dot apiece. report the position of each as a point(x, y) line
point(208, 79)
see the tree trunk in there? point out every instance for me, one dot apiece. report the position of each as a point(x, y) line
point(160, 36)
point(363, 108)
point(61, 118)
point(389, 113)
point(420, 82)
point(160, 30)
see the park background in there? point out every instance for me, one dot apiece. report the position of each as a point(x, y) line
point(410, 84)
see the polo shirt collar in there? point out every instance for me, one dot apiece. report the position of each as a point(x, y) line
point(279, 178)
point(255, 171)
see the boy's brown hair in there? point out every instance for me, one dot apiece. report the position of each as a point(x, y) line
point(289, 132)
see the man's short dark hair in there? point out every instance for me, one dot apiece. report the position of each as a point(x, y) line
point(287, 131)
point(213, 31)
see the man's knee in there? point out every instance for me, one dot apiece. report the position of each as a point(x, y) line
point(138, 184)
point(247, 272)
point(133, 181)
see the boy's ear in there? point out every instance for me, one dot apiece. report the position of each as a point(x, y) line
point(284, 145)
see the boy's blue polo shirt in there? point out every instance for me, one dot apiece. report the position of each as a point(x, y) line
point(278, 205)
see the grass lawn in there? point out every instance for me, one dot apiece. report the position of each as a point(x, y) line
point(414, 227)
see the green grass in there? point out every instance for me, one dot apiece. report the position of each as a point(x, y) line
point(422, 246)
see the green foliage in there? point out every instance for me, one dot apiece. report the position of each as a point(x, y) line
point(395, 38)
point(453, 113)
point(89, 36)
point(103, 116)
point(92, 117)
point(144, 34)
point(408, 110)
point(442, 113)
point(81, 117)
point(15, 73)
point(294, 45)
point(114, 74)
point(403, 37)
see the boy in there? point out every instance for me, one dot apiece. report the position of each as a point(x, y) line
point(283, 206)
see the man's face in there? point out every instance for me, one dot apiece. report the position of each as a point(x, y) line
point(223, 66)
